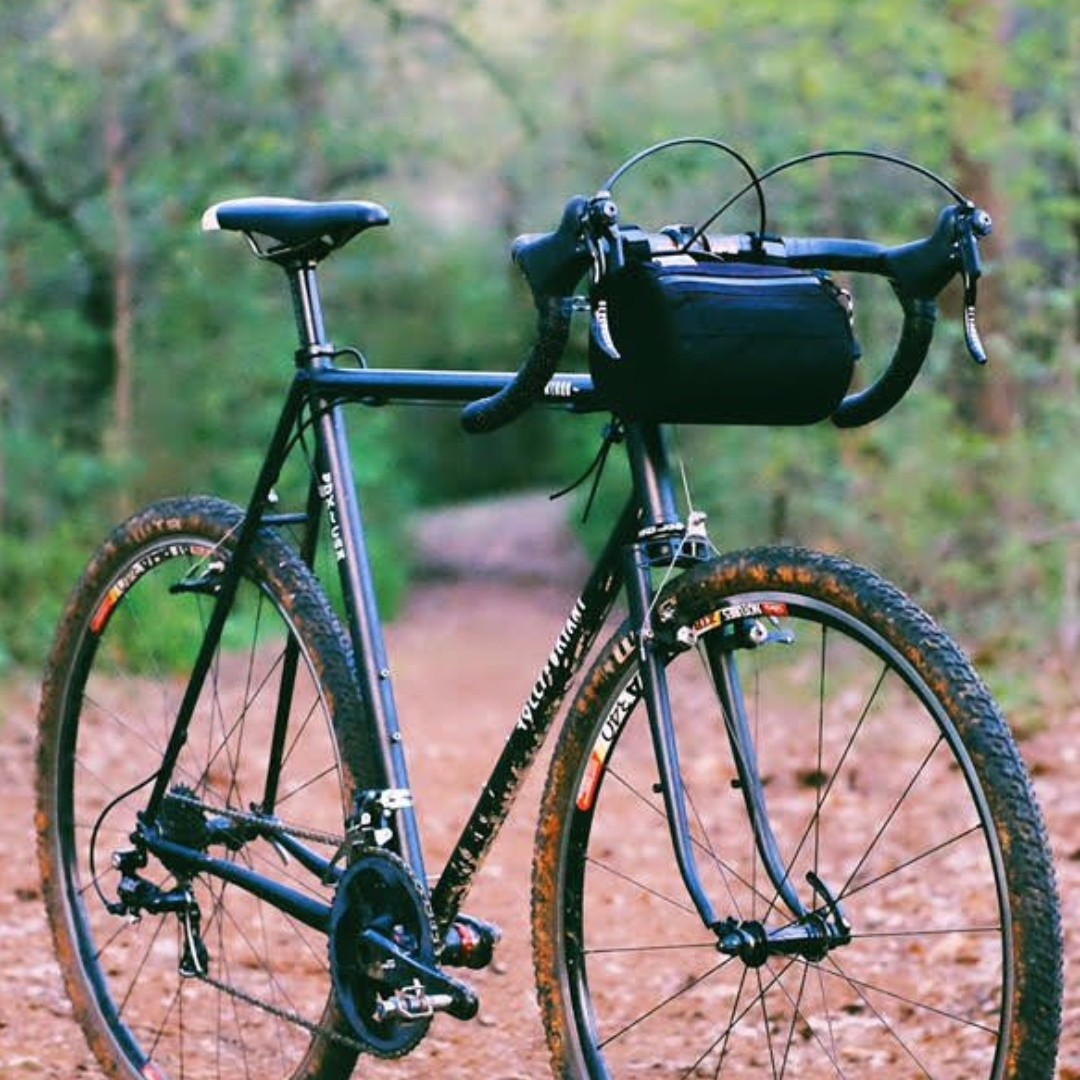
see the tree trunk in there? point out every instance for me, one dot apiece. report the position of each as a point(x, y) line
point(981, 110)
point(119, 436)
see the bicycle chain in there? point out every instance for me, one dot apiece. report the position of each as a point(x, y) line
point(281, 1014)
point(250, 818)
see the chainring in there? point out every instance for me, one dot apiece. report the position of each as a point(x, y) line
point(378, 892)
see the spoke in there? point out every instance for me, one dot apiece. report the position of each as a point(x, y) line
point(766, 1025)
point(944, 931)
point(819, 796)
point(233, 1002)
point(862, 987)
point(258, 959)
point(884, 827)
point(135, 732)
point(695, 946)
point(313, 711)
point(797, 1013)
point(299, 789)
point(157, 1031)
point(831, 1051)
point(264, 956)
point(900, 867)
point(725, 868)
point(641, 886)
point(736, 1016)
point(707, 845)
point(812, 826)
point(226, 742)
point(725, 1038)
point(146, 952)
point(902, 1043)
point(663, 1004)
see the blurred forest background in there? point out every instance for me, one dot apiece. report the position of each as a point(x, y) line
point(139, 358)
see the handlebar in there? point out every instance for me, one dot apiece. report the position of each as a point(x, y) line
point(552, 332)
point(589, 236)
point(553, 264)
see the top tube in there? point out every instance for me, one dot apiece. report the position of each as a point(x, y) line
point(385, 386)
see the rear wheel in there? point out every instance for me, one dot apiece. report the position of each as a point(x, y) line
point(217, 983)
point(903, 818)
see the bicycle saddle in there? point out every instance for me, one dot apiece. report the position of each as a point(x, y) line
point(284, 230)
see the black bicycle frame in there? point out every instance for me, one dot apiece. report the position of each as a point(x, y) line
point(320, 392)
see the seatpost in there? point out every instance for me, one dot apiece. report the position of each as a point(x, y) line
point(336, 488)
point(307, 310)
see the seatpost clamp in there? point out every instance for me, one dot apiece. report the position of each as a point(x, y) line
point(307, 356)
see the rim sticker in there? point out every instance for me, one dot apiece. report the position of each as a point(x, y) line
point(119, 588)
point(609, 732)
point(730, 613)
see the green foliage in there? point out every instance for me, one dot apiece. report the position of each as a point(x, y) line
point(35, 578)
point(120, 123)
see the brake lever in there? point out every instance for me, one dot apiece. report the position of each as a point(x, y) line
point(604, 240)
point(972, 225)
point(605, 246)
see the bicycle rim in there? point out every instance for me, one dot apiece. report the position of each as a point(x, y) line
point(874, 782)
point(116, 682)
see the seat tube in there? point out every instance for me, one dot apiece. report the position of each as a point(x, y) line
point(341, 503)
point(653, 484)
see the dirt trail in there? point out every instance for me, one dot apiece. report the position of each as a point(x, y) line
point(456, 715)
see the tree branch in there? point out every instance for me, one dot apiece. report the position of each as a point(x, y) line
point(32, 178)
point(399, 17)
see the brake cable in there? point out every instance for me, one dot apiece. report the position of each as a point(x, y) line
point(613, 433)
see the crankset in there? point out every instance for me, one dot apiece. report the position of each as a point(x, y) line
point(382, 956)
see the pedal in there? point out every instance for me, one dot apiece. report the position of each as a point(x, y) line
point(411, 1004)
point(470, 943)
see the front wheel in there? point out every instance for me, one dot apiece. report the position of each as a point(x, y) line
point(901, 813)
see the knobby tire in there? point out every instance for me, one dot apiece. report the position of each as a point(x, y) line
point(114, 679)
point(888, 770)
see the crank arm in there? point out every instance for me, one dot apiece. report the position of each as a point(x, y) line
point(445, 993)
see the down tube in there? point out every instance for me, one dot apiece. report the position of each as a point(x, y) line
point(573, 644)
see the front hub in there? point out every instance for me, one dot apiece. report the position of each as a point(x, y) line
point(811, 937)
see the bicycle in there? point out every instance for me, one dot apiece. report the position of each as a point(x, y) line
point(785, 829)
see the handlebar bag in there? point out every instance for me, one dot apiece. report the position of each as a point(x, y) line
point(679, 340)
